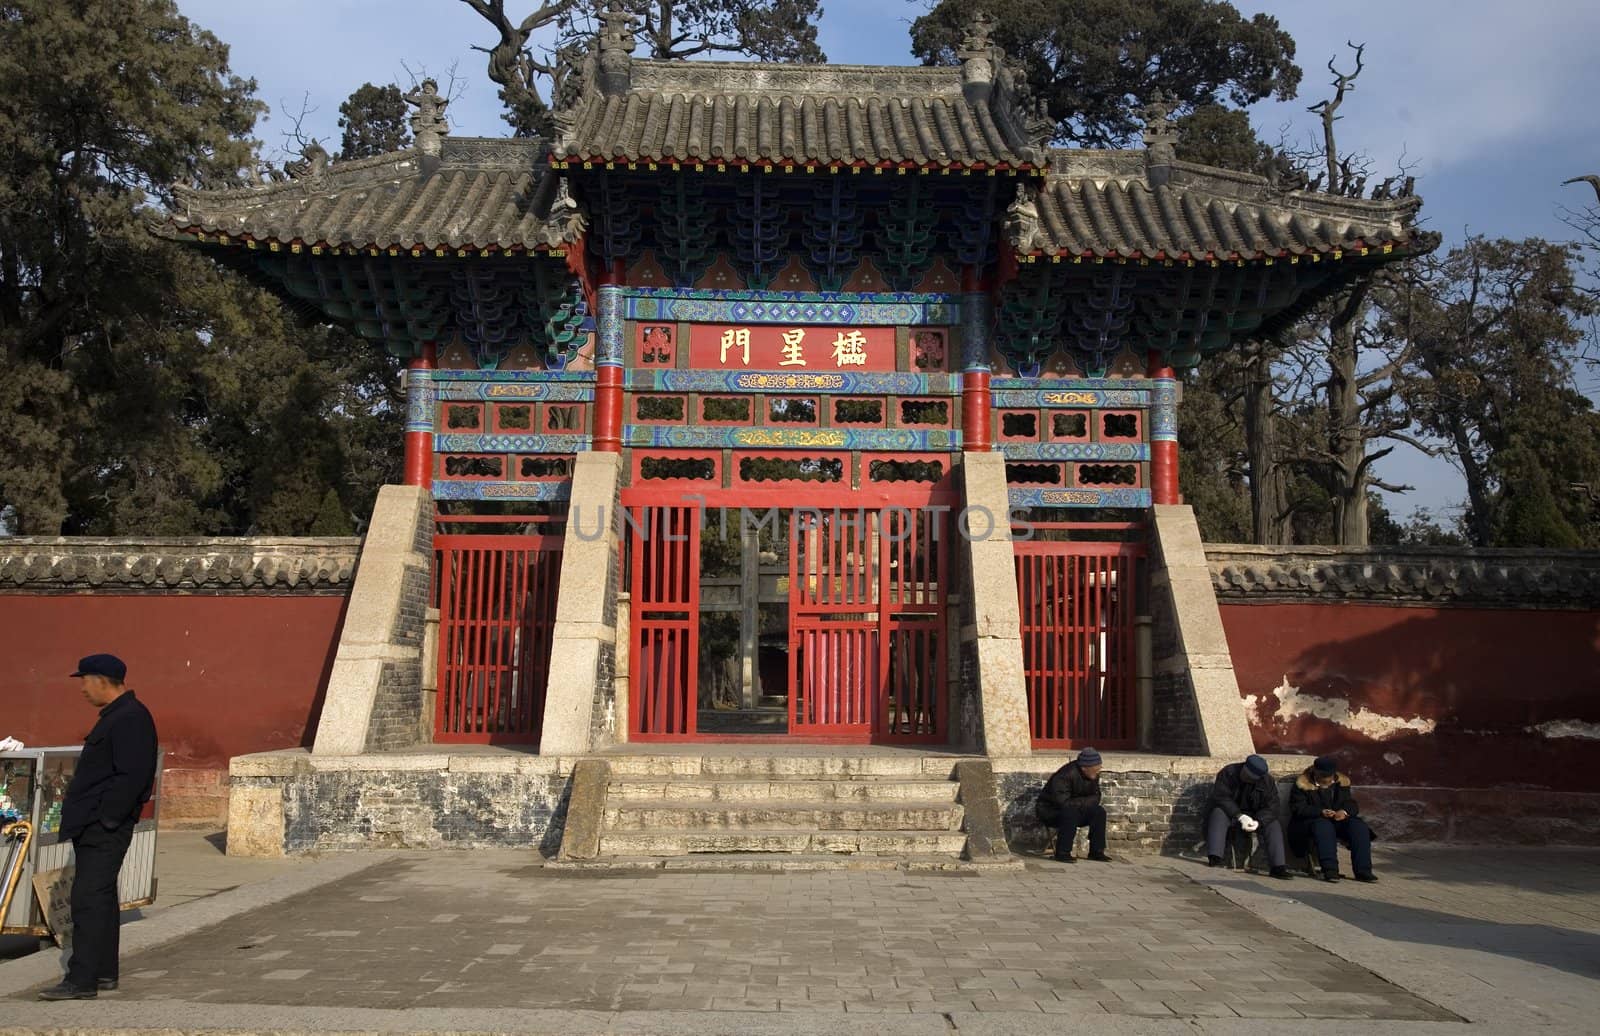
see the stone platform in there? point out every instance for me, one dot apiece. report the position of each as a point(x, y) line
point(659, 802)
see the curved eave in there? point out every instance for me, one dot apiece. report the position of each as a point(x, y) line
point(200, 234)
point(1359, 249)
point(724, 164)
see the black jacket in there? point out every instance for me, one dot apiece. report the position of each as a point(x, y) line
point(1235, 795)
point(116, 771)
point(1066, 787)
point(1307, 801)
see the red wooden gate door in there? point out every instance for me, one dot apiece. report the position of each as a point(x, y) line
point(867, 624)
point(916, 580)
point(664, 584)
point(835, 647)
point(497, 608)
point(1078, 605)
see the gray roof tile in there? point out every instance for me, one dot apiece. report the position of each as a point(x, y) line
point(477, 193)
point(1104, 204)
point(749, 112)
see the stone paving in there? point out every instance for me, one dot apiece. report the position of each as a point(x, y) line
point(486, 929)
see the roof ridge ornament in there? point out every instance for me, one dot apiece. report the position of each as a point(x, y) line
point(312, 169)
point(618, 28)
point(428, 124)
point(1022, 223)
point(980, 58)
point(1160, 135)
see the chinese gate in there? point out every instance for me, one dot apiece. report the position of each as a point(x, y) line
point(1079, 603)
point(866, 598)
point(497, 602)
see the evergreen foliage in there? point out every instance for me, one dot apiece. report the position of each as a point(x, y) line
point(147, 391)
point(1094, 61)
point(374, 121)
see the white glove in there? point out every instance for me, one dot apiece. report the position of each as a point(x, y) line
point(1248, 822)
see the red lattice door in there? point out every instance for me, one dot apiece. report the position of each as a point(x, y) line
point(664, 586)
point(836, 656)
point(1078, 605)
point(917, 545)
point(867, 624)
point(497, 608)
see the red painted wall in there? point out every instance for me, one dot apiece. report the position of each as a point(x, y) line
point(1485, 676)
point(223, 675)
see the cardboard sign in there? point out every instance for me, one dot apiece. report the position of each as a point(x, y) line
point(778, 348)
point(54, 889)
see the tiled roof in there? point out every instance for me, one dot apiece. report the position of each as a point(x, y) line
point(829, 115)
point(475, 194)
point(1105, 204)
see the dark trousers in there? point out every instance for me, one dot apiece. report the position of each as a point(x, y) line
point(1271, 832)
point(1071, 818)
point(1352, 831)
point(96, 911)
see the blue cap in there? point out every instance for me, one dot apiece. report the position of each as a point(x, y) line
point(109, 666)
point(1257, 766)
point(1088, 757)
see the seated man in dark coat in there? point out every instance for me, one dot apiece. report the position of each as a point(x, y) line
point(1323, 811)
point(1070, 800)
point(1245, 796)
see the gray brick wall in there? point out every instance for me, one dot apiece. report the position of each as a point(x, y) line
point(1175, 720)
point(427, 809)
point(397, 720)
point(397, 709)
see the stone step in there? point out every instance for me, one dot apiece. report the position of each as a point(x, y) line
point(779, 766)
point(712, 863)
point(866, 843)
point(664, 816)
point(856, 789)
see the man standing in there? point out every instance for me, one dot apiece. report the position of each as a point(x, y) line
point(1246, 796)
point(112, 783)
point(1070, 800)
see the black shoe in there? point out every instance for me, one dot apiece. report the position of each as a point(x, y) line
point(62, 991)
point(1368, 877)
point(1059, 858)
point(1213, 861)
point(1101, 858)
point(1330, 875)
point(1282, 874)
point(106, 985)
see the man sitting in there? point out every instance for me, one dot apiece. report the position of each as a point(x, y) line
point(1245, 796)
point(1323, 811)
point(1070, 800)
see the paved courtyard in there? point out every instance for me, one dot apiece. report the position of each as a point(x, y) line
point(492, 941)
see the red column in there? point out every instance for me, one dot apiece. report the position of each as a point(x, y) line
point(1163, 431)
point(419, 417)
point(608, 361)
point(976, 400)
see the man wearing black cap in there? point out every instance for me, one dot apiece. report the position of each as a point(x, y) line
point(1323, 811)
point(112, 783)
point(1070, 800)
point(1246, 796)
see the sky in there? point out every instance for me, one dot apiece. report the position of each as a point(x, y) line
point(1491, 102)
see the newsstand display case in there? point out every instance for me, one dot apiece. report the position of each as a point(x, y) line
point(33, 783)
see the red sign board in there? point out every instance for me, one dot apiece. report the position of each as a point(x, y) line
point(778, 348)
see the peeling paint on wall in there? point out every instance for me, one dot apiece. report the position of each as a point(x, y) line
point(1394, 759)
point(1567, 728)
point(1292, 704)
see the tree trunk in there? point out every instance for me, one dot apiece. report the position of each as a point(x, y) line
point(1268, 494)
point(1346, 441)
